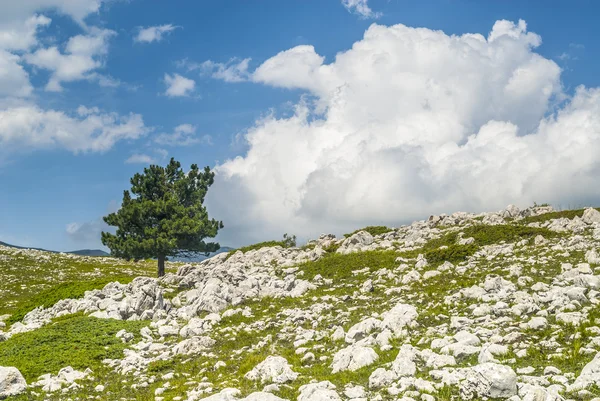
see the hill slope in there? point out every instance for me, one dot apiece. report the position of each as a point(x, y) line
point(489, 306)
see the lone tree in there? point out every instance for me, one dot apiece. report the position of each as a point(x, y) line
point(164, 217)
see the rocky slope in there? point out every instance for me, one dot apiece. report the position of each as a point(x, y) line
point(502, 305)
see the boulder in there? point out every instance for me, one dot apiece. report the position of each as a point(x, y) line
point(590, 216)
point(489, 380)
point(353, 358)
point(322, 391)
point(11, 382)
point(588, 376)
point(274, 369)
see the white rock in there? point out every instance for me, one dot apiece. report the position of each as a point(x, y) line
point(589, 375)
point(591, 215)
point(489, 380)
point(12, 382)
point(397, 318)
point(322, 391)
point(274, 369)
point(362, 329)
point(353, 358)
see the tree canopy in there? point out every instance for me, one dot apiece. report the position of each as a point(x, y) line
point(163, 215)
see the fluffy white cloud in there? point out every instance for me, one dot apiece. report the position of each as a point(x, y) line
point(21, 35)
point(407, 123)
point(153, 33)
point(178, 85)
point(14, 80)
point(140, 158)
point(83, 54)
point(29, 127)
point(361, 8)
point(21, 10)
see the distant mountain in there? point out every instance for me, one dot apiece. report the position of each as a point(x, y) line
point(99, 252)
point(81, 252)
point(200, 258)
point(90, 252)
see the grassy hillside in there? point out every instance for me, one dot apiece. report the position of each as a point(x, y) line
point(30, 278)
point(513, 266)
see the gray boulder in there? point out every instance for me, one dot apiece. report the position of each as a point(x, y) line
point(12, 382)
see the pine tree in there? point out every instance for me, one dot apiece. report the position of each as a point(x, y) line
point(163, 215)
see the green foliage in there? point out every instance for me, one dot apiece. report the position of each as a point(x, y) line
point(488, 235)
point(288, 241)
point(50, 296)
point(165, 216)
point(373, 230)
point(337, 266)
point(454, 254)
point(75, 340)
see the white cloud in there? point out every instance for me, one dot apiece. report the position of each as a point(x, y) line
point(14, 80)
point(361, 8)
point(21, 35)
point(235, 70)
point(182, 135)
point(411, 122)
point(178, 85)
point(21, 10)
point(29, 127)
point(83, 54)
point(140, 158)
point(89, 232)
point(86, 232)
point(153, 33)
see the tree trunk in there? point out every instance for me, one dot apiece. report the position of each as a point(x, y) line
point(161, 265)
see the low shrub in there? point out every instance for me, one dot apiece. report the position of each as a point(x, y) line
point(373, 230)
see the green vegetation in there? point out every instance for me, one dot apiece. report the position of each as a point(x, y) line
point(28, 276)
point(373, 230)
point(75, 340)
point(568, 214)
point(165, 217)
point(52, 295)
point(337, 266)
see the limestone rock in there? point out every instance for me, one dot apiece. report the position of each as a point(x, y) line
point(11, 382)
point(489, 380)
point(274, 369)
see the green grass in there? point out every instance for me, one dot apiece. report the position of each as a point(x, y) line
point(337, 266)
point(373, 230)
point(27, 275)
point(75, 340)
point(52, 295)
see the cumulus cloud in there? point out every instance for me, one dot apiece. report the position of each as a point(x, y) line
point(153, 33)
point(178, 85)
point(22, 35)
point(14, 80)
point(83, 54)
point(406, 123)
point(361, 8)
point(21, 10)
point(29, 127)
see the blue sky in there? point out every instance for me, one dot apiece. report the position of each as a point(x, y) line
point(275, 111)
